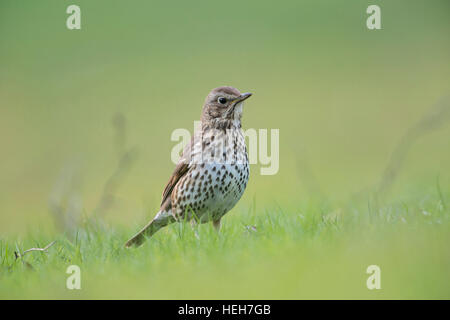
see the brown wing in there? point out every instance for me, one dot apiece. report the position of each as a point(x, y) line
point(180, 170)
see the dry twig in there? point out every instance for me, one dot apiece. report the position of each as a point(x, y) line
point(20, 255)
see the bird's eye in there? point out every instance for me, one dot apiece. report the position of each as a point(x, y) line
point(222, 100)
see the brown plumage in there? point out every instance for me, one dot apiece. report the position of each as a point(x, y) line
point(213, 171)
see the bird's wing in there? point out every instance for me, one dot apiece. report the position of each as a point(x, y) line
point(181, 169)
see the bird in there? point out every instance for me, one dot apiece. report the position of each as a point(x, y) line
point(213, 170)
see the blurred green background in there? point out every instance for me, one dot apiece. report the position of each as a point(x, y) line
point(341, 95)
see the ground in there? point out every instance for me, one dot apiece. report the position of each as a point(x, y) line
point(315, 250)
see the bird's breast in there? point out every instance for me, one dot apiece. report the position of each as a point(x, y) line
point(219, 172)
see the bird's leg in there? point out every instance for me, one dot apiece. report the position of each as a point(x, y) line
point(216, 224)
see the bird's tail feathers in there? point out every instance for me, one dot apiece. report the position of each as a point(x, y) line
point(160, 220)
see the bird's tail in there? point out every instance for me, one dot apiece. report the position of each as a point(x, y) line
point(162, 219)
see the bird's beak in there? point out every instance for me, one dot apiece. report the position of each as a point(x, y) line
point(242, 97)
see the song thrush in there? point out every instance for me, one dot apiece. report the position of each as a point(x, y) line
point(213, 171)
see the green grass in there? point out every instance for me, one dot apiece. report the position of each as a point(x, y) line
point(343, 97)
point(315, 250)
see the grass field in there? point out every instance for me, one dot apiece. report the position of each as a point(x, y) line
point(315, 250)
point(363, 116)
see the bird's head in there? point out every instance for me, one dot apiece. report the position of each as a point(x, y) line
point(223, 108)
